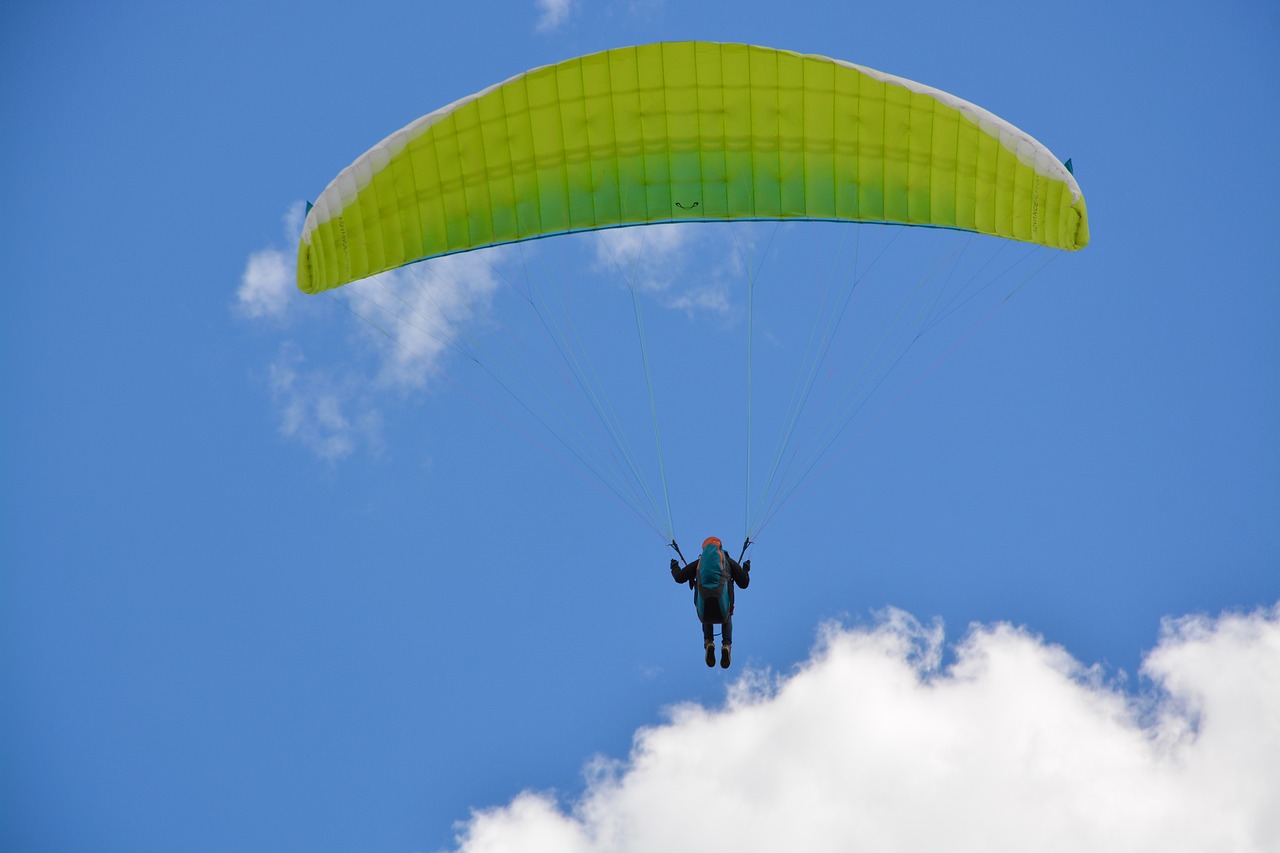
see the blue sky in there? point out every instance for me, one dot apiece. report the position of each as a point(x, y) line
point(266, 585)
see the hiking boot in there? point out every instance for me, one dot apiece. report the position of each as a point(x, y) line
point(724, 656)
point(711, 652)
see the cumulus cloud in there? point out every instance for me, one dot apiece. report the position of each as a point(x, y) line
point(873, 744)
point(552, 13)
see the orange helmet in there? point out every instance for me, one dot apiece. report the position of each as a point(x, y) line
point(712, 540)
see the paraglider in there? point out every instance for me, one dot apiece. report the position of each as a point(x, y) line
point(691, 132)
point(713, 575)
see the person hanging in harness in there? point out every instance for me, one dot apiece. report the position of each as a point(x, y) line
point(712, 577)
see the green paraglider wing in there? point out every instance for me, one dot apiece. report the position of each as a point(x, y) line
point(687, 131)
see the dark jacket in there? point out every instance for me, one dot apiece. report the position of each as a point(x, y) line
point(741, 577)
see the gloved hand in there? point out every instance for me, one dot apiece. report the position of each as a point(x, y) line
point(674, 564)
point(746, 567)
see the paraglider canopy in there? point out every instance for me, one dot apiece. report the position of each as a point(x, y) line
point(678, 132)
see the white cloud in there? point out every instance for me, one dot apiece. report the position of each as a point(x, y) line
point(268, 279)
point(416, 313)
point(293, 218)
point(873, 745)
point(685, 266)
point(713, 298)
point(413, 315)
point(265, 286)
point(328, 411)
point(329, 416)
point(552, 13)
point(652, 256)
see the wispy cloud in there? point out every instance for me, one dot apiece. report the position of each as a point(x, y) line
point(553, 13)
point(412, 318)
point(1015, 746)
point(417, 313)
point(690, 268)
point(329, 414)
point(713, 298)
point(330, 395)
point(651, 256)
